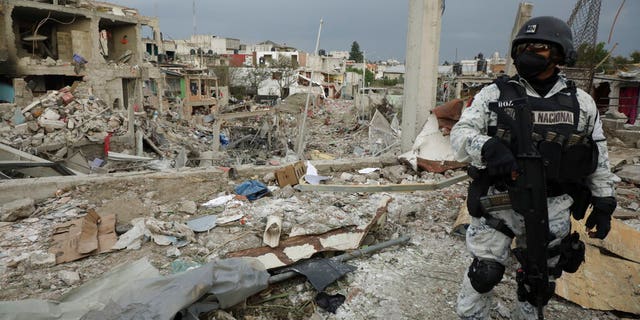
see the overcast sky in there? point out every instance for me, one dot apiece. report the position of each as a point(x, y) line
point(379, 26)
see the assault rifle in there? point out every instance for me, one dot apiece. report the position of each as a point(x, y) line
point(529, 198)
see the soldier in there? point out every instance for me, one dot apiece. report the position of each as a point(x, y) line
point(567, 133)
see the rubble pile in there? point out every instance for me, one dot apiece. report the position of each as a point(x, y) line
point(62, 118)
point(170, 136)
point(342, 120)
point(434, 260)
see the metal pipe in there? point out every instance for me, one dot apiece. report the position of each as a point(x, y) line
point(346, 256)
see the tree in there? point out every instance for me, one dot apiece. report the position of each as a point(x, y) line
point(619, 61)
point(248, 78)
point(223, 73)
point(355, 53)
point(589, 56)
point(369, 77)
point(256, 76)
point(284, 73)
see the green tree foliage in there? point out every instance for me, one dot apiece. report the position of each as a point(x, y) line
point(355, 53)
point(386, 82)
point(369, 77)
point(621, 61)
point(589, 56)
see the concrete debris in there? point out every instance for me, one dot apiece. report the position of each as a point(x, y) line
point(40, 259)
point(394, 173)
point(16, 210)
point(162, 232)
point(63, 117)
point(202, 224)
point(188, 206)
point(304, 246)
point(69, 277)
point(240, 225)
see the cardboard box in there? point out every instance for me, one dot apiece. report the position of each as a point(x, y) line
point(291, 174)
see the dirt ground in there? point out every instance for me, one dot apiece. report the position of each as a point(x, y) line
point(417, 280)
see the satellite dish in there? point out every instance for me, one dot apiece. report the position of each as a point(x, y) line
point(35, 37)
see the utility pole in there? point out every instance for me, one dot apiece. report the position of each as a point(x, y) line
point(364, 75)
point(421, 75)
point(194, 17)
point(300, 143)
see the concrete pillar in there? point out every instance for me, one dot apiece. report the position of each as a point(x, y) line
point(94, 55)
point(458, 89)
point(423, 45)
point(215, 144)
point(523, 14)
point(614, 96)
point(139, 142)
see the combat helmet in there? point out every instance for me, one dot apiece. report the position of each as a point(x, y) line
point(547, 29)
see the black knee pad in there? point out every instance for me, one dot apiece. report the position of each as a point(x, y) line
point(485, 274)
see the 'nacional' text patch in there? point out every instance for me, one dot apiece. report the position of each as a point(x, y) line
point(553, 117)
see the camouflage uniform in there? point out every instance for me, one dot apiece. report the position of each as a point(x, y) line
point(484, 242)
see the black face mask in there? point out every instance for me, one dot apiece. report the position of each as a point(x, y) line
point(530, 64)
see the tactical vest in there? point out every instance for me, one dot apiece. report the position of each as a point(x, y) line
point(569, 155)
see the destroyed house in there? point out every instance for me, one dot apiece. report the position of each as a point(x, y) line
point(327, 72)
point(47, 46)
point(200, 97)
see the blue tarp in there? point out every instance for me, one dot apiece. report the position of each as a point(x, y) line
point(252, 189)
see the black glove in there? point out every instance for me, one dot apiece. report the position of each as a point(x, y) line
point(500, 161)
point(600, 217)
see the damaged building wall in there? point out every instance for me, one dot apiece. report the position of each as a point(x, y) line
point(124, 40)
point(75, 39)
point(7, 52)
point(38, 42)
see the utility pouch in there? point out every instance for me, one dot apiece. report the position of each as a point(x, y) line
point(579, 161)
point(552, 154)
point(581, 196)
point(572, 252)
